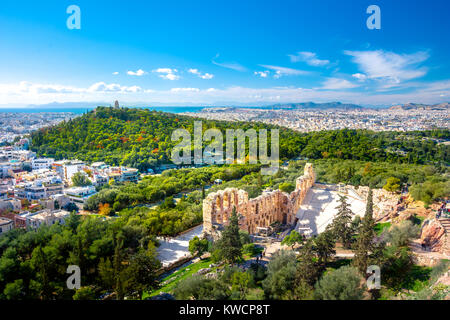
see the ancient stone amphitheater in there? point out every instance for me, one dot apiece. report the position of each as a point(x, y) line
point(260, 212)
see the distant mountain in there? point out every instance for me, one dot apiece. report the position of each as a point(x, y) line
point(418, 106)
point(320, 106)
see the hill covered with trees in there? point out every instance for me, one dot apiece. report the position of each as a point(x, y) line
point(141, 138)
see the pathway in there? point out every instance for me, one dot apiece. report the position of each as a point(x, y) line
point(319, 209)
point(173, 249)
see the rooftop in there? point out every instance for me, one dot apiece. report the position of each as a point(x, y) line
point(4, 221)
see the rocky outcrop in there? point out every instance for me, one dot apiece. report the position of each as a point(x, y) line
point(260, 212)
point(385, 203)
point(433, 235)
point(446, 224)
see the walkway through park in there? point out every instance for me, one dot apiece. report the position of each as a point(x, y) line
point(173, 249)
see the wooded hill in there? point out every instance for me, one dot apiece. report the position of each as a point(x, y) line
point(141, 138)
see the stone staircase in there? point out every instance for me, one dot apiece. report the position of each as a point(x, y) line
point(446, 224)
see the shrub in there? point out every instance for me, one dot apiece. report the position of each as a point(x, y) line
point(84, 293)
point(280, 275)
point(400, 235)
point(344, 283)
point(200, 288)
point(251, 249)
point(287, 187)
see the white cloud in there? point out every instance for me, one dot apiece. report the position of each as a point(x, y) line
point(167, 73)
point(262, 74)
point(338, 84)
point(137, 73)
point(170, 76)
point(185, 90)
point(359, 76)
point(113, 87)
point(166, 70)
point(229, 65)
point(115, 73)
point(309, 57)
point(205, 76)
point(390, 66)
point(332, 90)
point(27, 88)
point(283, 71)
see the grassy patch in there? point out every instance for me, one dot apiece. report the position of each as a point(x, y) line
point(170, 282)
point(417, 278)
point(418, 220)
point(380, 227)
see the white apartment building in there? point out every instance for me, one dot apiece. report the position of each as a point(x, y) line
point(5, 225)
point(10, 204)
point(49, 217)
point(79, 195)
point(42, 163)
point(67, 168)
point(99, 180)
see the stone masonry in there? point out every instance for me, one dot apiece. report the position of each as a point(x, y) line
point(270, 207)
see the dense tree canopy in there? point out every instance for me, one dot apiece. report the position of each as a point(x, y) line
point(142, 138)
point(121, 251)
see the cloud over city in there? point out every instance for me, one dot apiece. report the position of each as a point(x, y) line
point(309, 57)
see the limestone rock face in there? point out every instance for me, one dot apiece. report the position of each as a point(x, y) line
point(258, 212)
point(433, 235)
point(385, 203)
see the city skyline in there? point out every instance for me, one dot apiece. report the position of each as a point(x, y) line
point(255, 53)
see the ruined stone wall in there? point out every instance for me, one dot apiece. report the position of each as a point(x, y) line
point(258, 212)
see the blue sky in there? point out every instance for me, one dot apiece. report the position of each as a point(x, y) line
point(224, 52)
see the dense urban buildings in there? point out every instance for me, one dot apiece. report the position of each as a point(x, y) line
point(307, 120)
point(13, 125)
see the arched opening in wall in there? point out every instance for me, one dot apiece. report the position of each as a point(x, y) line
point(226, 200)
point(257, 208)
point(284, 218)
point(218, 205)
point(233, 201)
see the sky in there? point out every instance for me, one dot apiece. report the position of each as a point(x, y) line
point(224, 52)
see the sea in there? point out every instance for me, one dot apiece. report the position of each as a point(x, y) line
point(84, 110)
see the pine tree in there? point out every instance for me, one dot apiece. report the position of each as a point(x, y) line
point(229, 244)
point(44, 269)
point(118, 268)
point(341, 225)
point(324, 247)
point(307, 271)
point(260, 183)
point(365, 245)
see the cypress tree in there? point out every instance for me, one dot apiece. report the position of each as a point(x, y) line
point(230, 245)
point(364, 245)
point(203, 191)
